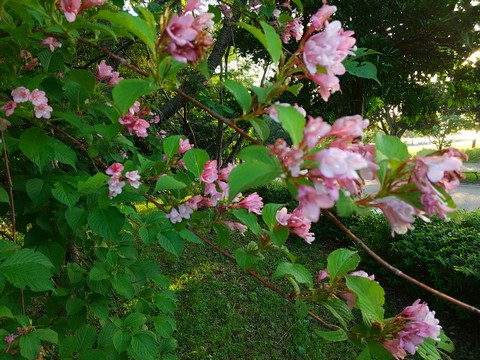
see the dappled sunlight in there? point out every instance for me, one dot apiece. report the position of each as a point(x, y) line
point(195, 276)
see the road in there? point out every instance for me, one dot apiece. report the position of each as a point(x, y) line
point(465, 196)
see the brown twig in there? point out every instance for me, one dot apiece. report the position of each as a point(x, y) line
point(218, 117)
point(397, 271)
point(10, 188)
point(261, 279)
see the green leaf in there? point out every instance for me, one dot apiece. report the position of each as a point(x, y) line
point(74, 305)
point(143, 347)
point(241, 94)
point(333, 336)
point(75, 272)
point(388, 146)
point(168, 182)
point(279, 236)
point(164, 325)
point(345, 205)
point(245, 259)
point(261, 128)
point(7, 248)
point(375, 350)
point(123, 285)
point(371, 297)
point(65, 193)
point(292, 122)
point(135, 319)
point(93, 183)
point(295, 89)
point(340, 262)
point(98, 272)
point(47, 335)
point(223, 234)
point(127, 92)
point(248, 219)
point(134, 24)
point(29, 346)
point(76, 217)
point(255, 32)
point(190, 236)
point(259, 168)
point(35, 145)
point(84, 337)
point(195, 160)
point(28, 268)
point(171, 145)
point(296, 271)
point(365, 70)
point(171, 242)
point(339, 309)
point(121, 340)
point(38, 190)
point(269, 213)
point(4, 197)
point(5, 312)
point(106, 222)
point(273, 42)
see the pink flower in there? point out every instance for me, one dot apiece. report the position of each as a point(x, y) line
point(282, 216)
point(398, 213)
point(224, 173)
point(322, 15)
point(349, 126)
point(210, 173)
point(183, 53)
point(180, 29)
point(21, 95)
point(9, 107)
point(37, 97)
point(362, 273)
point(133, 177)
point(184, 146)
point(311, 200)
point(301, 225)
point(43, 110)
point(226, 10)
point(10, 338)
point(421, 324)
point(393, 346)
point(327, 84)
point(253, 203)
point(115, 186)
point(70, 9)
point(322, 275)
point(438, 165)
point(293, 28)
point(140, 128)
point(104, 71)
point(52, 42)
point(87, 4)
point(174, 216)
point(24, 54)
point(115, 170)
point(192, 5)
point(315, 129)
point(276, 13)
point(337, 163)
point(235, 226)
point(115, 79)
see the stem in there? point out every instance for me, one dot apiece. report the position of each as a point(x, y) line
point(261, 279)
point(397, 271)
point(10, 189)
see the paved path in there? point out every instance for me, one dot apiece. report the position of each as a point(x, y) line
point(465, 196)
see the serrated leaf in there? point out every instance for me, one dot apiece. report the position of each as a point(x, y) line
point(245, 260)
point(121, 340)
point(171, 145)
point(38, 190)
point(4, 197)
point(248, 219)
point(164, 325)
point(106, 222)
point(74, 305)
point(279, 236)
point(195, 160)
point(143, 347)
point(273, 42)
point(123, 285)
point(370, 297)
point(76, 217)
point(135, 319)
point(168, 182)
point(365, 70)
point(134, 24)
point(171, 242)
point(240, 94)
point(390, 147)
point(339, 309)
point(7, 248)
point(29, 346)
point(190, 236)
point(47, 335)
point(259, 168)
point(93, 183)
point(292, 122)
point(84, 337)
point(341, 261)
point(296, 271)
point(128, 91)
point(333, 336)
point(261, 128)
point(65, 193)
point(269, 213)
point(35, 145)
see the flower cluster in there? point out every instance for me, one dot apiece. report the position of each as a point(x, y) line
point(134, 122)
point(326, 50)
point(115, 184)
point(188, 38)
point(293, 28)
point(52, 43)
point(105, 73)
point(297, 221)
point(216, 191)
point(419, 323)
point(330, 169)
point(71, 8)
point(36, 97)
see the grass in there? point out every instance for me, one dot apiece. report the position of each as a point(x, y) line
point(225, 314)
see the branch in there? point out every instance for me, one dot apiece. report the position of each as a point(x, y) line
point(10, 189)
point(261, 279)
point(397, 271)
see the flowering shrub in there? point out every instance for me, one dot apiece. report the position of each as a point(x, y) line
point(72, 218)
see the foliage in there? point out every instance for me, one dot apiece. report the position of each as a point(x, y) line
point(83, 153)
